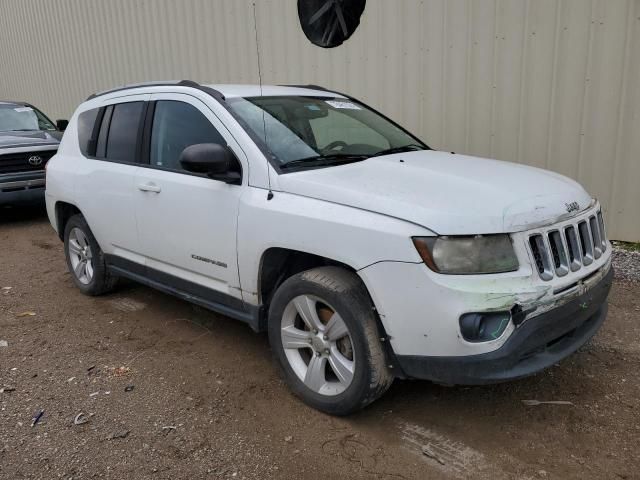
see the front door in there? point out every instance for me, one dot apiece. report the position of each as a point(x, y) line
point(187, 222)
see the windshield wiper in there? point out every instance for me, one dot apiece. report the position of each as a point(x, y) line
point(20, 130)
point(404, 148)
point(343, 158)
point(321, 160)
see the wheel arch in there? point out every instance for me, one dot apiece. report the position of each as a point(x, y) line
point(278, 264)
point(64, 211)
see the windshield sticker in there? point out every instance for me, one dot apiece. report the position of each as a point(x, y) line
point(343, 105)
point(313, 107)
point(23, 109)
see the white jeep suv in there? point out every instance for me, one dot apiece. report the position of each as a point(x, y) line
point(365, 254)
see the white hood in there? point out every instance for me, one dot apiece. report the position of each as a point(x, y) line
point(447, 193)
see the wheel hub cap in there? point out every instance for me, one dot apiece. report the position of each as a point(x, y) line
point(319, 344)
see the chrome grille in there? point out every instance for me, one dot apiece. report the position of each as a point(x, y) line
point(559, 251)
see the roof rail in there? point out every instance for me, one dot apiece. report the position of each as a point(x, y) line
point(310, 87)
point(324, 89)
point(176, 83)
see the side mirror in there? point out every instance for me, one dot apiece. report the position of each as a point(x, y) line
point(62, 124)
point(214, 160)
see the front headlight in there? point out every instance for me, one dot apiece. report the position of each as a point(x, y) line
point(468, 254)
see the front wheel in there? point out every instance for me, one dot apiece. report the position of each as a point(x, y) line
point(323, 331)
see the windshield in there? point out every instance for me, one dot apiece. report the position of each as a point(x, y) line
point(19, 118)
point(305, 130)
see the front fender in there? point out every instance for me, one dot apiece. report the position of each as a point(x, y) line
point(348, 235)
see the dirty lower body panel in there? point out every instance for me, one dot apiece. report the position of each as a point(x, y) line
point(536, 344)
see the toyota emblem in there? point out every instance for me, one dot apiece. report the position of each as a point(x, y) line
point(35, 160)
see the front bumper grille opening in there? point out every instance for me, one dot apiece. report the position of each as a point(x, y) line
point(537, 255)
point(586, 243)
point(557, 252)
point(595, 236)
point(573, 249)
point(541, 257)
point(603, 233)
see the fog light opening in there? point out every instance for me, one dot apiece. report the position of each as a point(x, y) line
point(484, 327)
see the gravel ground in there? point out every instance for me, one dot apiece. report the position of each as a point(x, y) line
point(207, 402)
point(626, 264)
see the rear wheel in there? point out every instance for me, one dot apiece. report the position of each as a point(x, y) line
point(322, 328)
point(85, 258)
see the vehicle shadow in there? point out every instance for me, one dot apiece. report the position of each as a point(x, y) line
point(16, 214)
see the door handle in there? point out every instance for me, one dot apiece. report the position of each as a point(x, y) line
point(149, 187)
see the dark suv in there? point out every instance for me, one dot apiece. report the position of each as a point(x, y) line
point(28, 139)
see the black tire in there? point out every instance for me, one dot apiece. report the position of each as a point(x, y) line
point(345, 292)
point(102, 281)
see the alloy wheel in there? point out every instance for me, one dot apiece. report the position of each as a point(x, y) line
point(318, 345)
point(81, 256)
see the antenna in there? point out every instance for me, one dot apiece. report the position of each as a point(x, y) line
point(264, 122)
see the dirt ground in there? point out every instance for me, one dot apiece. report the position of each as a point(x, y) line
point(207, 401)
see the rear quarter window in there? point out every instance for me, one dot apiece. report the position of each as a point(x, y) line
point(86, 123)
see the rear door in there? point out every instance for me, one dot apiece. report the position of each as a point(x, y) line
point(187, 222)
point(106, 180)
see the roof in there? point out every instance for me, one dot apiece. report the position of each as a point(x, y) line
point(224, 91)
point(230, 91)
point(11, 102)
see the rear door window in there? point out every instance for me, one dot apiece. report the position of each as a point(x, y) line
point(123, 127)
point(101, 147)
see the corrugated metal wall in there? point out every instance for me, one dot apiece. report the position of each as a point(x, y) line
point(551, 83)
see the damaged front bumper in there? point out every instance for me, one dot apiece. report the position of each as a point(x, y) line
point(424, 315)
point(537, 343)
